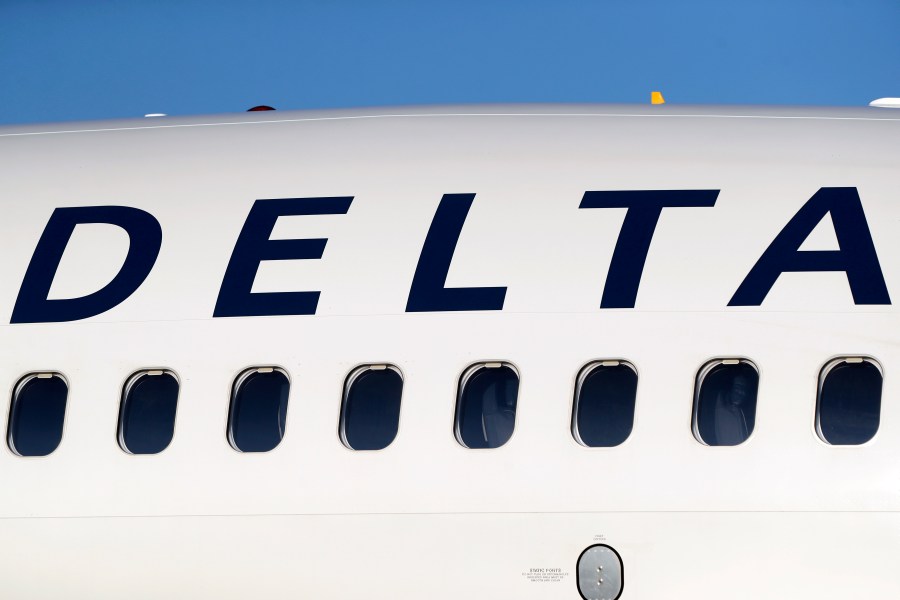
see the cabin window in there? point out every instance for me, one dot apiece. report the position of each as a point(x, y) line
point(370, 413)
point(486, 405)
point(258, 410)
point(725, 402)
point(848, 408)
point(147, 412)
point(603, 413)
point(37, 414)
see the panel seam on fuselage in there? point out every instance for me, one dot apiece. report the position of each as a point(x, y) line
point(448, 514)
point(445, 115)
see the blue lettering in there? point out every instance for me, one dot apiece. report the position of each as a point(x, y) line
point(145, 240)
point(427, 293)
point(644, 208)
point(856, 257)
point(254, 246)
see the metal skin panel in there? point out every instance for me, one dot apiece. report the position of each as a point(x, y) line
point(90, 520)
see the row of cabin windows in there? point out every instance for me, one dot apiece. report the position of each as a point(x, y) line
point(848, 406)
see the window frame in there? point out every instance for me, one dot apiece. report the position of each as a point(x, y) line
point(823, 374)
point(17, 388)
point(464, 378)
point(354, 374)
point(126, 388)
point(582, 376)
point(704, 371)
point(241, 377)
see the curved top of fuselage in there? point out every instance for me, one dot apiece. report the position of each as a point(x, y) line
point(469, 110)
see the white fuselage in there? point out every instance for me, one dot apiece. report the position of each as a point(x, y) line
point(783, 515)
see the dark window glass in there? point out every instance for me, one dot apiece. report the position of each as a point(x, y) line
point(725, 402)
point(849, 406)
point(604, 404)
point(147, 419)
point(486, 409)
point(258, 410)
point(371, 411)
point(37, 414)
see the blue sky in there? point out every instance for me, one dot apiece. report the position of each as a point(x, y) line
point(91, 59)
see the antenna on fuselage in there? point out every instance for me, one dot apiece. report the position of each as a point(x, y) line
point(886, 103)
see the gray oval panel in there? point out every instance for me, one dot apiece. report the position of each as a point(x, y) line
point(600, 573)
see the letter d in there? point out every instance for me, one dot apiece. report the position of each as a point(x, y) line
point(145, 240)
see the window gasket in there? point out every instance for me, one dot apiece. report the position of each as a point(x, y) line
point(705, 370)
point(582, 376)
point(823, 375)
point(348, 385)
point(126, 389)
point(48, 374)
point(467, 374)
point(236, 386)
